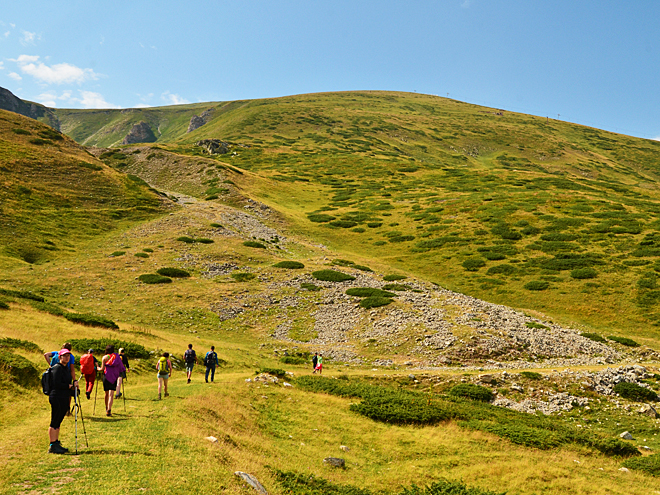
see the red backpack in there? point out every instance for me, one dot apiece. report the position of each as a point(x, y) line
point(87, 364)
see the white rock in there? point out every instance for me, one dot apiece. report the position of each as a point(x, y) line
point(211, 439)
point(626, 436)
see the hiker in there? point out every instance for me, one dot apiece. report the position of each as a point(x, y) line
point(211, 361)
point(319, 365)
point(112, 366)
point(88, 367)
point(52, 358)
point(122, 375)
point(164, 367)
point(61, 386)
point(315, 360)
point(190, 358)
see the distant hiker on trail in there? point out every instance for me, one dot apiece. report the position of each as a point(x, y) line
point(211, 361)
point(52, 358)
point(315, 360)
point(164, 367)
point(60, 388)
point(190, 358)
point(88, 367)
point(122, 375)
point(319, 365)
point(112, 366)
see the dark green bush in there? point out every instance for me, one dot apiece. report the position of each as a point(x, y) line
point(90, 320)
point(211, 197)
point(491, 256)
point(39, 141)
point(537, 285)
point(291, 265)
point(217, 226)
point(21, 132)
point(117, 253)
point(402, 238)
point(593, 336)
point(533, 324)
point(280, 373)
point(26, 345)
point(504, 269)
point(141, 255)
point(531, 375)
point(623, 341)
point(341, 262)
point(293, 360)
point(186, 239)
point(4, 305)
point(148, 250)
point(380, 243)
point(471, 391)
point(22, 294)
point(242, 277)
point(374, 302)
point(394, 278)
point(369, 292)
point(374, 225)
point(308, 484)
point(131, 349)
point(173, 272)
point(254, 244)
point(396, 287)
point(583, 273)
point(473, 264)
point(649, 464)
point(447, 487)
point(204, 240)
point(362, 268)
point(319, 217)
point(331, 276)
point(634, 392)
point(153, 278)
point(344, 224)
point(310, 287)
point(21, 370)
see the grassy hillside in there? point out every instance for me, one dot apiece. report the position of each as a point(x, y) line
point(56, 195)
point(519, 210)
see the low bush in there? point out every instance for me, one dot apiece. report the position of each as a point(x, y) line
point(374, 302)
point(537, 285)
point(593, 336)
point(242, 276)
point(26, 345)
point(131, 349)
point(623, 341)
point(204, 240)
point(369, 292)
point(254, 244)
point(293, 360)
point(504, 269)
point(90, 320)
point(632, 391)
point(649, 464)
point(374, 225)
point(117, 253)
point(402, 238)
point(473, 392)
point(280, 373)
point(362, 268)
point(394, 278)
point(186, 239)
point(154, 278)
point(148, 250)
point(583, 273)
point(310, 287)
point(533, 324)
point(141, 255)
point(396, 287)
point(21, 370)
point(331, 276)
point(217, 226)
point(21, 294)
point(344, 224)
point(291, 265)
point(4, 305)
point(173, 272)
point(531, 375)
point(319, 217)
point(21, 132)
point(473, 264)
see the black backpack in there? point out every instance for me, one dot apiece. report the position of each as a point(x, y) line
point(189, 356)
point(47, 381)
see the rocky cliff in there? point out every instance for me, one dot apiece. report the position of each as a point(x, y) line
point(9, 101)
point(140, 133)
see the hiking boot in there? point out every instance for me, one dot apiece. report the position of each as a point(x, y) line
point(89, 395)
point(159, 397)
point(167, 394)
point(188, 380)
point(56, 448)
point(108, 414)
point(58, 443)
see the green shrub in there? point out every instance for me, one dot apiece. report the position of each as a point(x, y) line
point(649, 464)
point(117, 253)
point(310, 287)
point(623, 341)
point(308, 484)
point(173, 272)
point(211, 197)
point(369, 292)
point(242, 277)
point(19, 369)
point(362, 268)
point(537, 285)
point(204, 240)
point(22, 294)
point(396, 287)
point(583, 273)
point(217, 226)
point(531, 375)
point(21, 132)
point(447, 487)
point(20, 344)
point(141, 255)
point(394, 278)
point(593, 336)
point(344, 224)
point(533, 324)
point(254, 244)
point(331, 276)
point(186, 239)
point(153, 278)
point(90, 320)
point(4, 305)
point(380, 243)
point(40, 142)
point(473, 264)
point(374, 302)
point(293, 360)
point(340, 262)
point(471, 391)
point(504, 269)
point(148, 250)
point(374, 225)
point(319, 217)
point(131, 349)
point(402, 238)
point(291, 265)
point(491, 256)
point(634, 392)
point(280, 373)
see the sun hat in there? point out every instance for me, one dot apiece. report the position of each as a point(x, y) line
point(90, 350)
point(63, 352)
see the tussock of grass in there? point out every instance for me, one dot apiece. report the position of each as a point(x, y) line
point(375, 302)
point(291, 265)
point(242, 276)
point(254, 244)
point(331, 276)
point(11, 343)
point(21, 370)
point(153, 278)
point(635, 392)
point(623, 341)
point(173, 272)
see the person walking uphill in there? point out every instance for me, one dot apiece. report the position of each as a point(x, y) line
point(190, 358)
point(211, 361)
point(88, 366)
point(112, 366)
point(315, 360)
point(122, 375)
point(164, 367)
point(61, 386)
point(52, 358)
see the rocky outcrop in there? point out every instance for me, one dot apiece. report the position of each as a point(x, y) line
point(197, 121)
point(9, 101)
point(214, 146)
point(140, 133)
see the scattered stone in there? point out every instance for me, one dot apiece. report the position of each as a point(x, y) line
point(211, 439)
point(626, 435)
point(335, 461)
point(286, 384)
point(252, 481)
point(648, 410)
point(624, 470)
point(344, 448)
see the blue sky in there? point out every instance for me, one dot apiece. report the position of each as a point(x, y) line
point(595, 63)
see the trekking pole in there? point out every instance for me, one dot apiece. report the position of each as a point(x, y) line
point(82, 420)
point(123, 393)
point(75, 407)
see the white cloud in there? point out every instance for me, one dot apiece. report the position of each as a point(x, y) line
point(48, 99)
point(54, 74)
point(173, 98)
point(15, 76)
point(2, 65)
point(29, 38)
point(141, 105)
point(7, 33)
point(656, 138)
point(94, 100)
point(88, 99)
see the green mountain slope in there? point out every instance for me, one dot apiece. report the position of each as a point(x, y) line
point(55, 194)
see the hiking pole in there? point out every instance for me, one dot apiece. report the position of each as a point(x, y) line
point(75, 407)
point(82, 420)
point(96, 394)
point(123, 393)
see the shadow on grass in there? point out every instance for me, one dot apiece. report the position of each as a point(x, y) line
point(110, 452)
point(112, 419)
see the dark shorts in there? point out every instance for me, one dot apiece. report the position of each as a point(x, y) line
point(122, 374)
point(107, 386)
point(59, 406)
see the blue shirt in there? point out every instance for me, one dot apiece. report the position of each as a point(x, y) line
point(56, 359)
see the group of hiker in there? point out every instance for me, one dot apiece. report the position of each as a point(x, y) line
point(62, 383)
